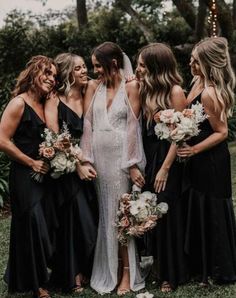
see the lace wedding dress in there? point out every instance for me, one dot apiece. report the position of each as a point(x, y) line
point(112, 142)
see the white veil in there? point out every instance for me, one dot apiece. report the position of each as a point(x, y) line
point(127, 70)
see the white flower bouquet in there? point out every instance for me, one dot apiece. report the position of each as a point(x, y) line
point(178, 127)
point(138, 213)
point(60, 151)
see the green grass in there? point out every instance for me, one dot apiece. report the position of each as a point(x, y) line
point(189, 290)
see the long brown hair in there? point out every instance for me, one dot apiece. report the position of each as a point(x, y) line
point(161, 76)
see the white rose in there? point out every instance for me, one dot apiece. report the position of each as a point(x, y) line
point(143, 214)
point(162, 131)
point(136, 207)
point(146, 195)
point(59, 162)
point(70, 166)
point(163, 207)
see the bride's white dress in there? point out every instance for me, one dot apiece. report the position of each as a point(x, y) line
point(112, 142)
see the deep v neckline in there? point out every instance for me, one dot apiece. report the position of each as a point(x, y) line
point(108, 109)
point(35, 113)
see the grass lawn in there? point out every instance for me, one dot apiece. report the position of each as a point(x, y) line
point(190, 290)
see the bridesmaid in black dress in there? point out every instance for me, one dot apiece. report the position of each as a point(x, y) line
point(74, 196)
point(211, 230)
point(20, 135)
point(160, 89)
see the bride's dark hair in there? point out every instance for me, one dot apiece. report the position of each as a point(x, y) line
point(105, 54)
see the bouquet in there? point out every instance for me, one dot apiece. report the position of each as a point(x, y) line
point(138, 213)
point(60, 151)
point(178, 127)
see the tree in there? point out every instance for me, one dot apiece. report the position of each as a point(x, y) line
point(81, 11)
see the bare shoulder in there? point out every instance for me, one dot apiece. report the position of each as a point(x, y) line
point(132, 84)
point(209, 98)
point(16, 105)
point(178, 98)
point(177, 91)
point(92, 85)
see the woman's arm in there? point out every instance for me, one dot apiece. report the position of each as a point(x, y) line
point(132, 89)
point(90, 91)
point(10, 120)
point(179, 102)
point(220, 128)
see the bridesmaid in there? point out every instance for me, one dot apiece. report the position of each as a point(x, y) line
point(160, 89)
point(20, 135)
point(74, 200)
point(211, 230)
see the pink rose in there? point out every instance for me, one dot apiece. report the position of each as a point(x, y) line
point(167, 116)
point(189, 113)
point(124, 222)
point(48, 152)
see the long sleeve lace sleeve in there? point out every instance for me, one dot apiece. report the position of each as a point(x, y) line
point(86, 139)
point(133, 152)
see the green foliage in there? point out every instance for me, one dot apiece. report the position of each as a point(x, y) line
point(25, 35)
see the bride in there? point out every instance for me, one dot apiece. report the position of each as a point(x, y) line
point(112, 142)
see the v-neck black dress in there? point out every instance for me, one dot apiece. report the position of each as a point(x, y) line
point(210, 229)
point(76, 216)
point(30, 247)
point(166, 241)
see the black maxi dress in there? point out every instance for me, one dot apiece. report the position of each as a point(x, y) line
point(30, 247)
point(166, 241)
point(73, 217)
point(210, 229)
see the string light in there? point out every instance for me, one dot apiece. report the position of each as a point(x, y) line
point(212, 19)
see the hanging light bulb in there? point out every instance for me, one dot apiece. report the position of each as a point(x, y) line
point(212, 19)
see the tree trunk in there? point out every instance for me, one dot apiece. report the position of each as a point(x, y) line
point(200, 20)
point(81, 11)
point(234, 13)
point(125, 5)
point(186, 10)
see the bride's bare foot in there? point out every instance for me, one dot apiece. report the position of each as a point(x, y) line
point(124, 286)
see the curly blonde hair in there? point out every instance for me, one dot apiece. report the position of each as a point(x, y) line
point(65, 63)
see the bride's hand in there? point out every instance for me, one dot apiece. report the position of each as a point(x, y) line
point(136, 176)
